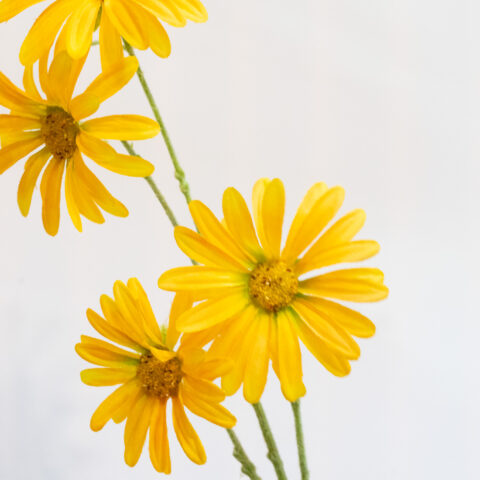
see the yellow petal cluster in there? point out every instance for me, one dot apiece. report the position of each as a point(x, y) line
point(150, 372)
point(53, 131)
point(137, 21)
point(253, 300)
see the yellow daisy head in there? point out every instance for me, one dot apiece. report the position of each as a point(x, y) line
point(52, 129)
point(150, 372)
point(137, 21)
point(255, 302)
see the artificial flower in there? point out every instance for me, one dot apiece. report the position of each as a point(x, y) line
point(254, 301)
point(150, 373)
point(53, 130)
point(137, 21)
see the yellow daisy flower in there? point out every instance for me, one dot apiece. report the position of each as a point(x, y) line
point(150, 373)
point(54, 128)
point(255, 303)
point(137, 21)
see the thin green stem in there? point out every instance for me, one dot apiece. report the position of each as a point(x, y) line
point(302, 457)
point(179, 173)
point(273, 454)
point(248, 468)
point(153, 186)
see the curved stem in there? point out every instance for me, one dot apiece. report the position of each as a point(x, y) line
point(179, 173)
point(153, 186)
point(273, 454)
point(248, 468)
point(302, 457)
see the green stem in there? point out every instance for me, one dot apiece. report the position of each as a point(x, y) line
point(248, 468)
point(273, 454)
point(179, 173)
point(302, 457)
point(154, 187)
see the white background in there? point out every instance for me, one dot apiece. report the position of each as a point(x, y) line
point(380, 96)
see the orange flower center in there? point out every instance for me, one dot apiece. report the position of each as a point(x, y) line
point(273, 285)
point(59, 131)
point(158, 378)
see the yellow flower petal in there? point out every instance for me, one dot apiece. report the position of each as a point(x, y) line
point(43, 32)
point(313, 222)
point(80, 26)
point(72, 206)
point(211, 312)
point(165, 9)
point(84, 105)
point(239, 222)
point(105, 156)
point(193, 10)
point(235, 342)
point(113, 79)
point(111, 48)
point(50, 189)
point(125, 19)
point(348, 252)
point(157, 36)
point(14, 99)
point(230, 337)
point(273, 208)
point(162, 355)
point(29, 84)
point(102, 377)
point(196, 247)
point(144, 308)
point(13, 123)
point(105, 354)
point(117, 400)
point(57, 74)
point(136, 428)
point(341, 232)
point(333, 335)
point(111, 332)
point(158, 442)
point(114, 315)
point(258, 360)
point(10, 8)
point(355, 285)
point(81, 197)
point(98, 150)
point(130, 165)
point(208, 369)
point(210, 411)
point(204, 389)
point(258, 193)
point(215, 233)
point(189, 278)
point(289, 358)
point(181, 303)
point(333, 362)
point(127, 308)
point(33, 168)
point(186, 435)
point(308, 203)
point(353, 322)
point(122, 127)
point(97, 191)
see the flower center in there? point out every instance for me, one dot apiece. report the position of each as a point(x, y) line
point(273, 285)
point(59, 131)
point(160, 379)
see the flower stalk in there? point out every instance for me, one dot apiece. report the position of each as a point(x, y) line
point(155, 189)
point(302, 457)
point(248, 468)
point(273, 454)
point(179, 172)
